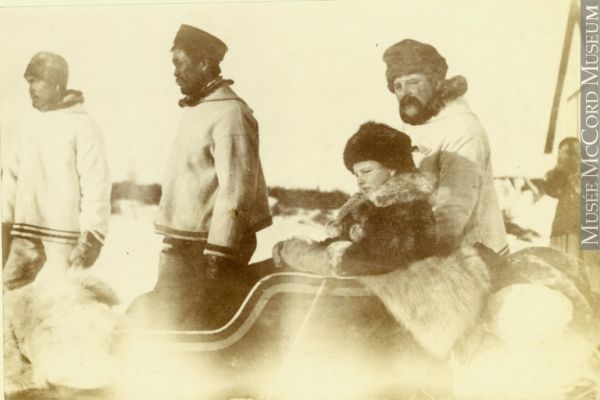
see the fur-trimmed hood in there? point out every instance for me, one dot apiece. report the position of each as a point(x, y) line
point(71, 98)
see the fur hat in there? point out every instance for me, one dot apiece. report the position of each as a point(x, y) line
point(409, 56)
point(190, 38)
point(381, 143)
point(49, 67)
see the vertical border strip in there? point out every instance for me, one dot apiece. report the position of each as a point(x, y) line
point(590, 121)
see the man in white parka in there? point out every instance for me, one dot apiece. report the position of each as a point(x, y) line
point(214, 195)
point(538, 298)
point(55, 180)
point(453, 145)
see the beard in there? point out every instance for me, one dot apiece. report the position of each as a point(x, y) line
point(421, 112)
point(186, 88)
point(190, 85)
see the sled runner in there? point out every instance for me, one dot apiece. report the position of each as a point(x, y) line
point(315, 334)
point(291, 329)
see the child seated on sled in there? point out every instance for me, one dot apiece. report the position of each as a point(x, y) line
point(384, 226)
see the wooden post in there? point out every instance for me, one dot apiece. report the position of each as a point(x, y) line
point(572, 19)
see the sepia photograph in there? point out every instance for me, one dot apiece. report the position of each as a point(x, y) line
point(300, 200)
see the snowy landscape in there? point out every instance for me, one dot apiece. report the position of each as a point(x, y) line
point(124, 69)
point(129, 260)
point(312, 72)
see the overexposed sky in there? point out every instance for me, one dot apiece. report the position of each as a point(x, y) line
point(311, 71)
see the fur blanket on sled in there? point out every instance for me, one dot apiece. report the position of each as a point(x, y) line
point(437, 299)
point(59, 331)
point(443, 300)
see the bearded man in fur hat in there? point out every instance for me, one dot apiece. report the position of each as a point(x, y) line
point(537, 286)
point(453, 146)
point(214, 196)
point(55, 180)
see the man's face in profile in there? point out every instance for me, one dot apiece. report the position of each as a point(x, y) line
point(415, 94)
point(189, 74)
point(42, 93)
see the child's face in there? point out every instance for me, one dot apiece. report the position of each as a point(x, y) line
point(370, 175)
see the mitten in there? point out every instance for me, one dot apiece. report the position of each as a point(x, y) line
point(357, 233)
point(219, 268)
point(6, 239)
point(85, 254)
point(334, 230)
point(302, 255)
point(335, 253)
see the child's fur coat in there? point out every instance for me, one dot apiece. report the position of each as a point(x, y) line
point(388, 245)
point(394, 225)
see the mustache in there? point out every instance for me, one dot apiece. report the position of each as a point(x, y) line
point(423, 112)
point(409, 100)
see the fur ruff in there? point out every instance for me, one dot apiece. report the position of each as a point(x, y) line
point(59, 331)
point(453, 88)
point(400, 188)
point(195, 98)
point(437, 299)
point(71, 98)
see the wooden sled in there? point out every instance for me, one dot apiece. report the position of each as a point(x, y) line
point(293, 330)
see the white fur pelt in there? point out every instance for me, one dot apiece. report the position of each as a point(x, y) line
point(59, 330)
point(437, 299)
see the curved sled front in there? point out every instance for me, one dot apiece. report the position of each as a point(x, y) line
point(292, 329)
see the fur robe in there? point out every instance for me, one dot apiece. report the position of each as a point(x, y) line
point(441, 300)
point(391, 227)
point(557, 271)
point(437, 299)
point(371, 235)
point(59, 331)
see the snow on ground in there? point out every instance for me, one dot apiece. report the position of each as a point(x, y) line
point(537, 216)
point(300, 225)
point(129, 260)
